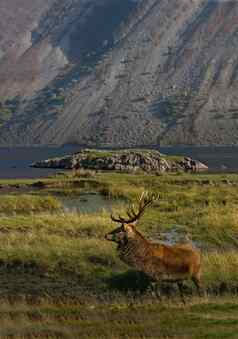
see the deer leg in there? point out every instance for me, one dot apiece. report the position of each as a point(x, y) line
point(197, 283)
point(155, 290)
point(180, 286)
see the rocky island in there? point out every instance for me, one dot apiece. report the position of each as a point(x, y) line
point(123, 160)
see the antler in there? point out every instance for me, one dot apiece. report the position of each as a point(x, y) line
point(145, 200)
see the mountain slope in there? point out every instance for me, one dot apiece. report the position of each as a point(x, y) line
point(123, 73)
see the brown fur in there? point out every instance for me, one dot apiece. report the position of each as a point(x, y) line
point(159, 261)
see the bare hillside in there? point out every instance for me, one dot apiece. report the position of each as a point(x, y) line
point(120, 72)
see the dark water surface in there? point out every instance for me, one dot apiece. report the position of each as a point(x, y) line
point(222, 158)
point(14, 162)
point(89, 203)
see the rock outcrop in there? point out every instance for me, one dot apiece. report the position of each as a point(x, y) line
point(125, 161)
point(189, 164)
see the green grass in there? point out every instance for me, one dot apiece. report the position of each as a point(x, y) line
point(173, 158)
point(71, 245)
point(105, 153)
point(28, 203)
point(62, 267)
point(143, 318)
point(5, 115)
point(94, 153)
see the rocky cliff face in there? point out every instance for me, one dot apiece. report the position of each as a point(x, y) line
point(119, 72)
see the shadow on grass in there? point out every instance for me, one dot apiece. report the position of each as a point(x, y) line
point(130, 281)
point(137, 282)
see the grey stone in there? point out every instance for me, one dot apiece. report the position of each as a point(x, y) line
point(127, 161)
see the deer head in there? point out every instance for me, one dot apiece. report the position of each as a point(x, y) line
point(127, 228)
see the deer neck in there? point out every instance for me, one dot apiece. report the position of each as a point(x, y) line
point(134, 251)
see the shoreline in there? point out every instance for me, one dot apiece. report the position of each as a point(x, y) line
point(16, 162)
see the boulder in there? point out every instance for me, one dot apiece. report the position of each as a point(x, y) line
point(189, 164)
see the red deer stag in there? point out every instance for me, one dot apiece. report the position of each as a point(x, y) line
point(168, 263)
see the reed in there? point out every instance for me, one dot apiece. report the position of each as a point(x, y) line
point(28, 203)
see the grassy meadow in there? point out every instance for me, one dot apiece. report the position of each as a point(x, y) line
point(59, 278)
